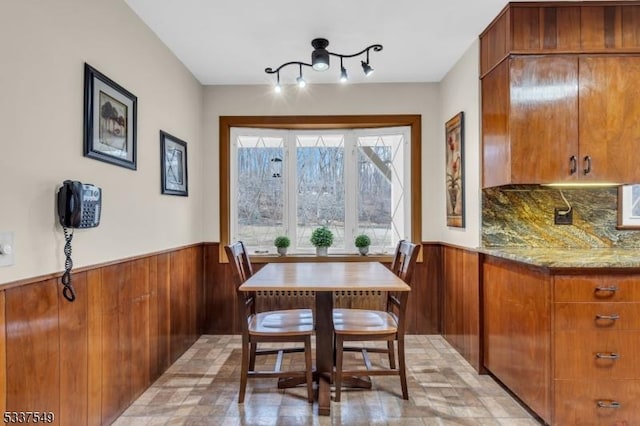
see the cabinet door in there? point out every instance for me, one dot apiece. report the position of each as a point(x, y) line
point(544, 118)
point(517, 331)
point(609, 111)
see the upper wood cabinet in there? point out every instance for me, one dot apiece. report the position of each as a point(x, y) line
point(561, 118)
point(570, 27)
point(561, 93)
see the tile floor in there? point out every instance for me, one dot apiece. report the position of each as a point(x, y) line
point(201, 388)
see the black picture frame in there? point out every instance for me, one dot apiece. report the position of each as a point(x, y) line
point(173, 165)
point(110, 120)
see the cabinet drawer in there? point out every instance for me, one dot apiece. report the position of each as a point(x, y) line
point(597, 355)
point(576, 402)
point(597, 316)
point(603, 288)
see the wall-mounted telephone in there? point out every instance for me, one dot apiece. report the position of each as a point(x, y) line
point(79, 206)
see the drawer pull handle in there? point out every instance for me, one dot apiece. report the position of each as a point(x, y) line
point(611, 289)
point(611, 317)
point(607, 355)
point(609, 404)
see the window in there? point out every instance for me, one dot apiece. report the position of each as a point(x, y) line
point(288, 181)
point(629, 207)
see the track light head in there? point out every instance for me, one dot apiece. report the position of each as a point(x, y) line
point(366, 68)
point(301, 82)
point(343, 75)
point(320, 55)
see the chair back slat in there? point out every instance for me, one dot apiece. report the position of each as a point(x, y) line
point(242, 270)
point(404, 260)
point(239, 259)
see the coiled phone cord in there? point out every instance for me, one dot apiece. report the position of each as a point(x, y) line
point(68, 292)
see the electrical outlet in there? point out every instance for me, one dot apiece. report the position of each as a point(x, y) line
point(562, 219)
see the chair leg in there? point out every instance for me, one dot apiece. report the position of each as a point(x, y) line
point(392, 354)
point(338, 378)
point(252, 357)
point(309, 368)
point(403, 369)
point(244, 370)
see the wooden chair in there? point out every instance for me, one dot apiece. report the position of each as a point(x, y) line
point(286, 326)
point(372, 325)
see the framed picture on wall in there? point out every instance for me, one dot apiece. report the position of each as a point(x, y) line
point(454, 168)
point(110, 113)
point(173, 165)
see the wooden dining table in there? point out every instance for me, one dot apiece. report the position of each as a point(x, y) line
point(324, 278)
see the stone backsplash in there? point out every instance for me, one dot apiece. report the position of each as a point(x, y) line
point(522, 216)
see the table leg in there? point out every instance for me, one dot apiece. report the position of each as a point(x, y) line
point(324, 349)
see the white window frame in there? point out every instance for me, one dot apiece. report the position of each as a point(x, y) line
point(351, 137)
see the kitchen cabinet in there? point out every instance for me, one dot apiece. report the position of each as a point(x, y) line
point(596, 340)
point(565, 342)
point(461, 303)
point(560, 28)
point(560, 93)
point(561, 119)
point(517, 324)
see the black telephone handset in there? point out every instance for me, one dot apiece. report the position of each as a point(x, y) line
point(79, 206)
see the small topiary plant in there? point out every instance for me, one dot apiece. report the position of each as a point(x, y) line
point(322, 237)
point(282, 241)
point(362, 240)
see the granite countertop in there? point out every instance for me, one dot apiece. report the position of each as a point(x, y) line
point(569, 257)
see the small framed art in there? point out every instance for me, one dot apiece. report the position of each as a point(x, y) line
point(173, 165)
point(454, 167)
point(109, 120)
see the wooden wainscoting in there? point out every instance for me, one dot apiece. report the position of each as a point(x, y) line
point(87, 361)
point(423, 314)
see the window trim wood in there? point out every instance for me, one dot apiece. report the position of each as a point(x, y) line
point(308, 122)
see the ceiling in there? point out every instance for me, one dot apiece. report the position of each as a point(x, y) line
point(232, 42)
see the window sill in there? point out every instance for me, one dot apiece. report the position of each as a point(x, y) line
point(301, 258)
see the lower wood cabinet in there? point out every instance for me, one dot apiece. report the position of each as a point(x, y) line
point(461, 303)
point(566, 345)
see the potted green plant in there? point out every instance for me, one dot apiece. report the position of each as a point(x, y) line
point(363, 242)
point(321, 238)
point(282, 242)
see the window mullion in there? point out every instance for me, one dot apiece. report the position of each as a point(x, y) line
point(350, 188)
point(292, 183)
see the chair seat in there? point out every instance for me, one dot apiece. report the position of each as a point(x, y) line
point(363, 321)
point(283, 323)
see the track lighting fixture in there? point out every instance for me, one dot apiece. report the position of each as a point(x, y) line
point(320, 62)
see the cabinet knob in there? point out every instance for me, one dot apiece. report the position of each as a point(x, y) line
point(608, 404)
point(587, 165)
point(573, 165)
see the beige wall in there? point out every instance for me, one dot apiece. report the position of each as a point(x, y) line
point(460, 91)
point(44, 45)
point(329, 99)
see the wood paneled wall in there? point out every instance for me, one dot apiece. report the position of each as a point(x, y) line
point(423, 314)
point(87, 361)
